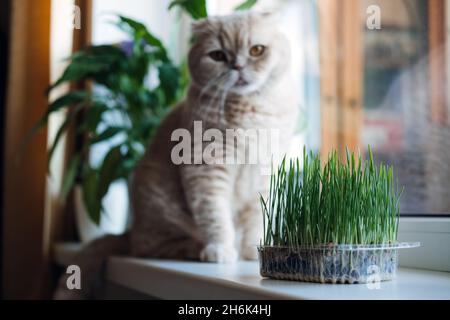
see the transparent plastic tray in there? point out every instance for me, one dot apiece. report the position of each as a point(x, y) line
point(332, 263)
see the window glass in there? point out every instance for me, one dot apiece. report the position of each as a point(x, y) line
point(405, 110)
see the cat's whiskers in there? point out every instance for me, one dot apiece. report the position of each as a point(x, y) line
point(221, 111)
point(213, 82)
point(223, 91)
point(219, 83)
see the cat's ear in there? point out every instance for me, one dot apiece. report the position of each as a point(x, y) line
point(201, 26)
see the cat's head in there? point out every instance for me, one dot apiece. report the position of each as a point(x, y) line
point(238, 53)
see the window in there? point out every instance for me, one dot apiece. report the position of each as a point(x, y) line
point(386, 86)
point(405, 113)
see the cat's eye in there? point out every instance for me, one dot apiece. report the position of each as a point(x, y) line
point(218, 55)
point(257, 50)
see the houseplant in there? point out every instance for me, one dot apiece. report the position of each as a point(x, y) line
point(331, 223)
point(122, 106)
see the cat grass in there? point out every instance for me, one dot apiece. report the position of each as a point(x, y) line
point(349, 202)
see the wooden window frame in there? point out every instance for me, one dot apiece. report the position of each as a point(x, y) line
point(29, 226)
point(437, 39)
point(341, 57)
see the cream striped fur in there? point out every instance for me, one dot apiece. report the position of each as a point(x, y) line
point(212, 212)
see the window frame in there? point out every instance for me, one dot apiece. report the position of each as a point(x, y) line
point(433, 233)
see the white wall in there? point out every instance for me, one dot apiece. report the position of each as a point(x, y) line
point(153, 13)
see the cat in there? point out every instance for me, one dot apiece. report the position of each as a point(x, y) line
point(240, 79)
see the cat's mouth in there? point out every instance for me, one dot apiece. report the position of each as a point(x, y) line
point(241, 82)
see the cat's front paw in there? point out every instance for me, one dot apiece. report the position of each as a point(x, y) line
point(249, 252)
point(216, 252)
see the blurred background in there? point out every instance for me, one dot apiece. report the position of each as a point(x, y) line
point(367, 72)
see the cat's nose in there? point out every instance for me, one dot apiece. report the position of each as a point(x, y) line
point(237, 66)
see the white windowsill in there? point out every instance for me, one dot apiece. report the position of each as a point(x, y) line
point(193, 280)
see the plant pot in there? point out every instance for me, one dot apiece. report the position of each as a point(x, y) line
point(114, 219)
point(331, 264)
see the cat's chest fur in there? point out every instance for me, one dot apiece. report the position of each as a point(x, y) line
point(247, 184)
point(263, 128)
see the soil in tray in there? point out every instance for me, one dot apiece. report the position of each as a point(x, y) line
point(329, 265)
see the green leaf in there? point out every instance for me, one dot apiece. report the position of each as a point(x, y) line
point(92, 118)
point(70, 176)
point(107, 134)
point(139, 31)
point(108, 170)
point(62, 129)
point(246, 5)
point(196, 8)
point(99, 53)
point(169, 77)
point(94, 62)
point(63, 101)
point(148, 125)
point(90, 195)
point(127, 84)
point(127, 164)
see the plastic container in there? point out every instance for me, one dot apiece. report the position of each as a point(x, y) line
point(332, 263)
